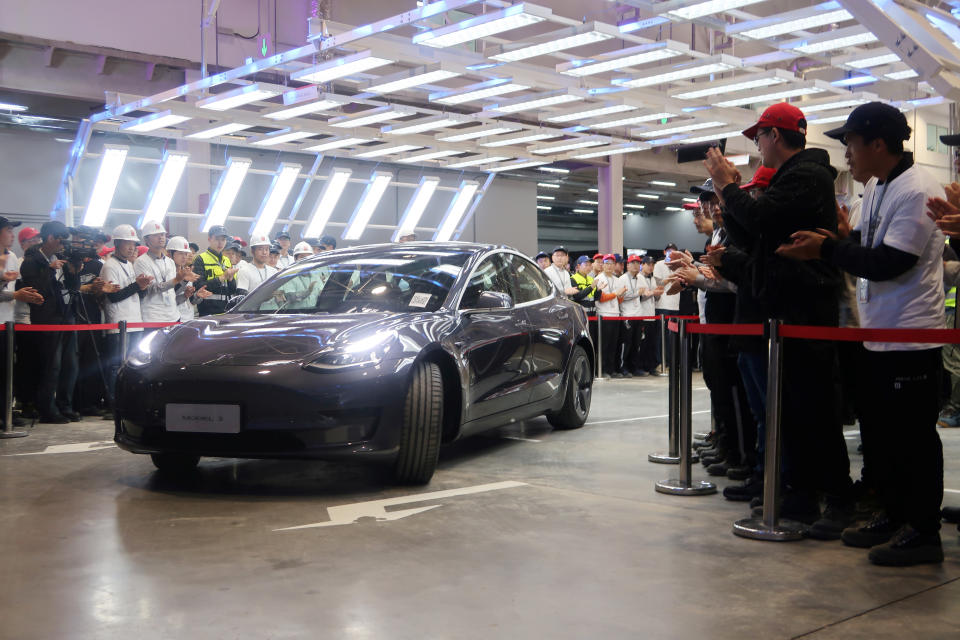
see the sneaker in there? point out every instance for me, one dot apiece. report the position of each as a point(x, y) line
point(950, 514)
point(756, 502)
point(948, 420)
point(878, 530)
point(70, 414)
point(718, 468)
point(907, 548)
point(641, 374)
point(740, 473)
point(615, 375)
point(831, 524)
point(800, 507)
point(626, 374)
point(656, 374)
point(745, 492)
point(53, 419)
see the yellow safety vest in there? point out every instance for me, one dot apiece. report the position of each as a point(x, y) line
point(583, 282)
point(212, 267)
point(951, 299)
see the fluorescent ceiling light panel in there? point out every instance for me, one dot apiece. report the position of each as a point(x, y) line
point(663, 183)
point(544, 207)
point(697, 68)
point(648, 196)
point(276, 195)
point(305, 100)
point(634, 206)
point(540, 197)
point(831, 40)
point(739, 160)
point(458, 207)
point(534, 101)
point(799, 20)
point(379, 181)
point(477, 132)
point(279, 137)
point(673, 209)
point(548, 185)
point(417, 205)
point(743, 83)
point(410, 78)
point(854, 81)
point(629, 147)
point(622, 122)
point(7, 106)
point(553, 169)
point(164, 186)
point(851, 100)
point(484, 25)
point(590, 111)
point(226, 192)
point(587, 202)
point(303, 109)
point(557, 41)
point(386, 150)
point(901, 75)
point(693, 126)
point(336, 143)
point(763, 97)
point(516, 165)
point(583, 210)
point(700, 9)
point(111, 164)
point(153, 122)
point(341, 67)
point(827, 119)
point(616, 60)
point(723, 135)
point(371, 116)
point(329, 196)
point(473, 162)
point(219, 130)
point(567, 145)
point(478, 91)
point(530, 136)
point(236, 98)
point(430, 155)
point(424, 124)
point(874, 60)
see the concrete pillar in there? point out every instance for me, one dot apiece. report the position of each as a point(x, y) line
point(610, 208)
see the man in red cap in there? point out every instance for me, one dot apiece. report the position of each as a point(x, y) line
point(800, 197)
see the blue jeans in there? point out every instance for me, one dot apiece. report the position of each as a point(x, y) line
point(753, 369)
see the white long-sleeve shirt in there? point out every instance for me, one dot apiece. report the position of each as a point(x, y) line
point(159, 304)
point(122, 273)
point(7, 303)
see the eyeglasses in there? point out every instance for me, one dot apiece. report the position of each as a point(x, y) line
point(756, 138)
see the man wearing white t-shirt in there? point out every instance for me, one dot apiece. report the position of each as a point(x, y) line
point(667, 304)
point(558, 274)
point(159, 302)
point(896, 253)
point(608, 304)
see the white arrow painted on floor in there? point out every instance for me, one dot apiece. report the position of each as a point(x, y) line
point(76, 447)
point(351, 513)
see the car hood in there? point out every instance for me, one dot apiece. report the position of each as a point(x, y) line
point(255, 340)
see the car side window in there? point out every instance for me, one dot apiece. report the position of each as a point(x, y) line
point(529, 282)
point(493, 274)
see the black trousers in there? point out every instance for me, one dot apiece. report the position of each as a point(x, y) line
point(664, 358)
point(814, 451)
point(91, 392)
point(3, 376)
point(647, 349)
point(735, 426)
point(58, 375)
point(609, 337)
point(898, 423)
point(631, 335)
point(26, 367)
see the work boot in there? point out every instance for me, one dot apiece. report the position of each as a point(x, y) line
point(740, 473)
point(718, 468)
point(830, 526)
point(751, 488)
point(907, 548)
point(878, 530)
point(800, 506)
point(951, 514)
point(949, 420)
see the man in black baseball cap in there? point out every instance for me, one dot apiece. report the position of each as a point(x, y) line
point(897, 255)
point(282, 240)
point(329, 243)
point(543, 259)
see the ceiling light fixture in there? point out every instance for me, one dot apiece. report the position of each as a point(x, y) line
point(628, 147)
point(329, 196)
point(553, 169)
point(458, 207)
point(478, 132)
point(567, 145)
point(623, 58)
point(379, 181)
point(567, 38)
point(341, 67)
point(417, 205)
point(304, 101)
point(276, 196)
point(336, 143)
point(622, 122)
point(111, 164)
point(371, 116)
point(484, 25)
point(430, 155)
point(423, 124)
point(743, 83)
point(831, 40)
point(530, 136)
point(226, 192)
point(153, 122)
point(387, 149)
point(799, 20)
point(236, 98)
point(700, 9)
point(524, 164)
point(693, 126)
point(590, 111)
point(219, 130)
point(763, 97)
point(473, 162)
point(164, 187)
point(281, 136)
point(534, 101)
point(416, 77)
point(664, 75)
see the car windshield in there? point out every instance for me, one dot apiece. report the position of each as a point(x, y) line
point(392, 281)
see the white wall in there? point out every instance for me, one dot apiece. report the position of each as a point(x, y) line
point(656, 231)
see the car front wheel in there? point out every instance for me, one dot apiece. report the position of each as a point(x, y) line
point(576, 403)
point(422, 426)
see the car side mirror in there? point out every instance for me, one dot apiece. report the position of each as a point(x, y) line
point(233, 302)
point(493, 300)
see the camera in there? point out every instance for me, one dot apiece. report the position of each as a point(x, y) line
point(82, 244)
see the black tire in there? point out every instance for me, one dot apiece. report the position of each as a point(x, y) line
point(577, 395)
point(422, 426)
point(174, 463)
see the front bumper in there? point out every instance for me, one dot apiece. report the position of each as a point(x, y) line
point(285, 412)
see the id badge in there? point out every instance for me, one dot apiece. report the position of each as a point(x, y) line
point(863, 290)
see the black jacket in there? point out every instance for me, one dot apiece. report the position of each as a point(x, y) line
point(35, 272)
point(800, 197)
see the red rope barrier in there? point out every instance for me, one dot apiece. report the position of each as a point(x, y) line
point(642, 317)
point(727, 329)
point(41, 328)
point(927, 336)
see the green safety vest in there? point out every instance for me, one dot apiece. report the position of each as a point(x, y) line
point(951, 299)
point(212, 267)
point(583, 282)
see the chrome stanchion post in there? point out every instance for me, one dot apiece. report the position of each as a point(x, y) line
point(672, 456)
point(684, 485)
point(770, 527)
point(122, 326)
point(599, 347)
point(663, 342)
point(8, 431)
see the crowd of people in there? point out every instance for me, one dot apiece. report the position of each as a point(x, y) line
point(83, 276)
point(784, 246)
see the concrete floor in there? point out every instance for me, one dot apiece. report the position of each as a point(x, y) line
point(568, 541)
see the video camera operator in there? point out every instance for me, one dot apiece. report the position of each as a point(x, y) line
point(82, 251)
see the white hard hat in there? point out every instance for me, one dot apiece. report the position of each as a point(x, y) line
point(178, 243)
point(260, 240)
point(124, 232)
point(302, 247)
point(151, 228)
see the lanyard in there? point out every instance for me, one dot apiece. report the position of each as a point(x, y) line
point(162, 268)
point(874, 220)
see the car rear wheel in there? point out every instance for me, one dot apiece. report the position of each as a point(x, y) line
point(422, 426)
point(576, 403)
point(174, 463)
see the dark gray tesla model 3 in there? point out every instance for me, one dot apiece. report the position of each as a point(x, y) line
point(381, 351)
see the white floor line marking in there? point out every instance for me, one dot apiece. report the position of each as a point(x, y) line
point(951, 490)
point(856, 432)
point(520, 439)
point(640, 418)
point(351, 513)
point(76, 447)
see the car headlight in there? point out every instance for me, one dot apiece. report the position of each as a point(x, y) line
point(147, 348)
point(364, 352)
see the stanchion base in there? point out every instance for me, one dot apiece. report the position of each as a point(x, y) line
point(13, 434)
point(756, 529)
point(703, 435)
point(675, 488)
point(666, 458)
